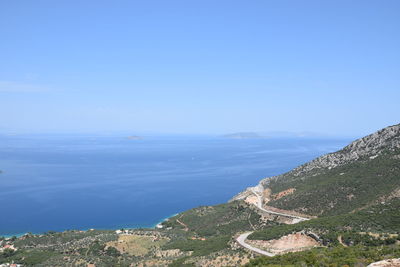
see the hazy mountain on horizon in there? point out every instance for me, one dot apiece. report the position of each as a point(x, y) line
point(274, 134)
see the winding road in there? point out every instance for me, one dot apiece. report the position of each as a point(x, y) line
point(259, 206)
point(242, 238)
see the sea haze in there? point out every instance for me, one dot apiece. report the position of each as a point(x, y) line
point(70, 182)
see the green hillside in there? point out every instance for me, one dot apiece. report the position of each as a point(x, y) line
point(355, 193)
point(332, 257)
point(381, 218)
point(342, 189)
point(355, 239)
point(223, 219)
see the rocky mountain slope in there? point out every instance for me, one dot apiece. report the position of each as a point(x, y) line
point(365, 171)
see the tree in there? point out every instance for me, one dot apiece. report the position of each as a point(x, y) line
point(113, 252)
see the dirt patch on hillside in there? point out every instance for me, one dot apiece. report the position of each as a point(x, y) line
point(386, 263)
point(287, 243)
point(252, 199)
point(137, 245)
point(283, 193)
point(267, 195)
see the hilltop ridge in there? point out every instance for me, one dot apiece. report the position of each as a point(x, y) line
point(337, 173)
point(371, 145)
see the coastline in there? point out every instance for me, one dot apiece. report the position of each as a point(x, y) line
point(159, 224)
point(17, 235)
point(153, 226)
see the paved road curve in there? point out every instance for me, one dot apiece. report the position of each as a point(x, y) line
point(242, 238)
point(259, 206)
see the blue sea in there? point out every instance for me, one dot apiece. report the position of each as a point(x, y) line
point(59, 182)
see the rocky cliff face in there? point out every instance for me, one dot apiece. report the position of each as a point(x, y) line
point(368, 147)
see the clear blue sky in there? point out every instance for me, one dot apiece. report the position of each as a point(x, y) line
point(199, 66)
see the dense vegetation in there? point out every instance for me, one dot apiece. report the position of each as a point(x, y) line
point(342, 189)
point(206, 230)
point(380, 218)
point(202, 231)
point(362, 237)
point(358, 207)
point(201, 247)
point(53, 249)
point(27, 257)
point(223, 219)
point(337, 256)
point(63, 239)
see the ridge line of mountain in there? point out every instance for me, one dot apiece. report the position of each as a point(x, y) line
point(370, 146)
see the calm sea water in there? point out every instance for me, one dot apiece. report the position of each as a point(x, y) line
point(60, 182)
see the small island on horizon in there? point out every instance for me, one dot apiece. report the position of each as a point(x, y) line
point(135, 137)
point(243, 135)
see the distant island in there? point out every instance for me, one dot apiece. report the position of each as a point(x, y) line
point(244, 135)
point(135, 137)
point(273, 134)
